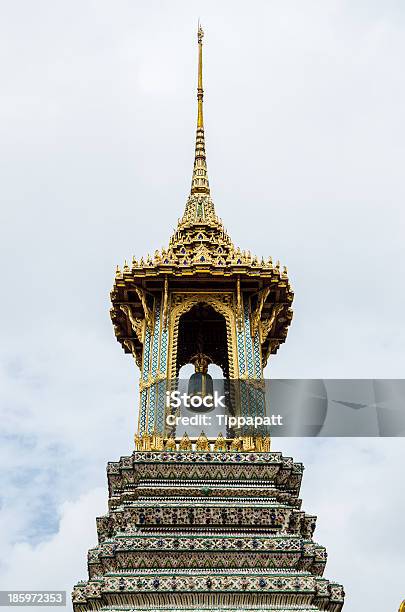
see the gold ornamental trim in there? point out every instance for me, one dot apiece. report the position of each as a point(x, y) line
point(223, 303)
point(137, 324)
point(152, 380)
point(267, 325)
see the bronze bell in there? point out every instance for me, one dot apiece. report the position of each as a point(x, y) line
point(201, 383)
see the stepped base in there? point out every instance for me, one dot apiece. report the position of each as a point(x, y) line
point(229, 535)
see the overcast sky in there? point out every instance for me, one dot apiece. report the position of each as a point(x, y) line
point(304, 111)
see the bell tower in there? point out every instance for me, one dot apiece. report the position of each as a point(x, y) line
point(203, 525)
point(201, 298)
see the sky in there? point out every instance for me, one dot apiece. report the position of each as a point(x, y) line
point(305, 137)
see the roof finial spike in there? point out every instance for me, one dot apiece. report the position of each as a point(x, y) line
point(199, 183)
point(200, 91)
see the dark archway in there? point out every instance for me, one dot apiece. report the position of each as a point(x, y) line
point(203, 330)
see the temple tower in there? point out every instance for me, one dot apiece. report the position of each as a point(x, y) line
point(203, 524)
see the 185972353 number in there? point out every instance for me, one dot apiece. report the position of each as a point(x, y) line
point(32, 598)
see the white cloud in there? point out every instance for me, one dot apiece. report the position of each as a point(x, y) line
point(353, 486)
point(60, 561)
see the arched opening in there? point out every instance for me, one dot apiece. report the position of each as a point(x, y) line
point(203, 330)
point(202, 335)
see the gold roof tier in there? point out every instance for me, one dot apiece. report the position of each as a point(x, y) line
point(222, 270)
point(201, 256)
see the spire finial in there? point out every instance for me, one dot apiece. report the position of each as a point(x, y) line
point(200, 91)
point(199, 183)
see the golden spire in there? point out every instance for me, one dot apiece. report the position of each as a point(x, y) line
point(200, 91)
point(199, 183)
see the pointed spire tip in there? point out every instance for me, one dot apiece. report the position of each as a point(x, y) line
point(200, 182)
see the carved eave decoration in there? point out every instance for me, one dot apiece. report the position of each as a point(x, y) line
point(190, 262)
point(131, 314)
point(271, 311)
